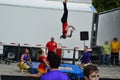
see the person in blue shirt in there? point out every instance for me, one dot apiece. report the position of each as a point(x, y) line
point(25, 61)
point(86, 57)
point(54, 73)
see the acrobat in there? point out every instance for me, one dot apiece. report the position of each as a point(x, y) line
point(65, 25)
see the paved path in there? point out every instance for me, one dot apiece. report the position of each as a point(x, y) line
point(11, 69)
point(105, 72)
point(110, 72)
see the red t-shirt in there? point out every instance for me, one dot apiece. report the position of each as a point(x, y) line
point(42, 66)
point(64, 31)
point(51, 46)
point(42, 58)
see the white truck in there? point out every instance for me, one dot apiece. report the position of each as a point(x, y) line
point(108, 26)
point(31, 23)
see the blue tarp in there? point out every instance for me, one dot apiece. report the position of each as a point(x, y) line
point(74, 70)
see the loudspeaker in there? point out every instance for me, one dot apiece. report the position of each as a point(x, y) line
point(84, 35)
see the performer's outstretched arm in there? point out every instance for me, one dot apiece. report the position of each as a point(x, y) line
point(70, 33)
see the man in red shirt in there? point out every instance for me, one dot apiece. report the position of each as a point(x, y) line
point(65, 25)
point(51, 47)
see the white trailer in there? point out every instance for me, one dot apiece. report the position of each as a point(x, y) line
point(108, 26)
point(31, 23)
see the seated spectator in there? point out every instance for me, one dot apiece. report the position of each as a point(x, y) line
point(91, 72)
point(54, 73)
point(42, 68)
point(25, 61)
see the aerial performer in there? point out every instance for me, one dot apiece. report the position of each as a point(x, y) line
point(65, 25)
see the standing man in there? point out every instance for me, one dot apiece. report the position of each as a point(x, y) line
point(115, 47)
point(51, 47)
point(86, 57)
point(106, 53)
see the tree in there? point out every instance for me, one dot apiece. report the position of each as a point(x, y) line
point(102, 5)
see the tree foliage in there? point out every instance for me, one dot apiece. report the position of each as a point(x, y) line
point(102, 5)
